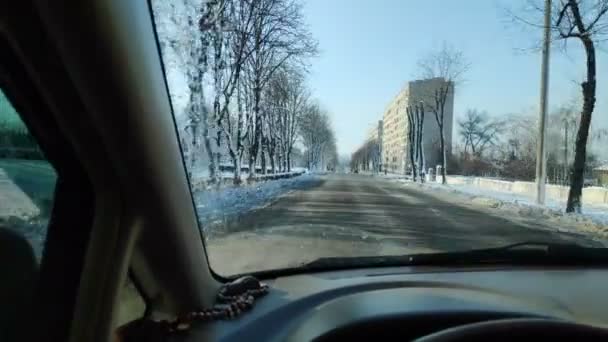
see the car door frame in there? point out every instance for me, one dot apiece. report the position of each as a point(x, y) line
point(102, 85)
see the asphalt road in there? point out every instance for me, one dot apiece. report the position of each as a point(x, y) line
point(373, 209)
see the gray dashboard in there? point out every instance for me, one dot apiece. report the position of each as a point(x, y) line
point(411, 301)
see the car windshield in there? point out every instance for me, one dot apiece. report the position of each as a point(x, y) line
point(351, 128)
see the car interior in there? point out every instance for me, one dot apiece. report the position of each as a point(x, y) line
point(124, 259)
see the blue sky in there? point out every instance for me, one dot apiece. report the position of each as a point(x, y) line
point(369, 50)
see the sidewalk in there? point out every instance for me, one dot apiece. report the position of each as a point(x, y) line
point(13, 201)
point(597, 212)
point(592, 220)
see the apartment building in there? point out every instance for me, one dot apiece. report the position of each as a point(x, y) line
point(374, 135)
point(374, 132)
point(395, 147)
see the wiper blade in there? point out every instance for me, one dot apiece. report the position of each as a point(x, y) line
point(523, 253)
point(529, 252)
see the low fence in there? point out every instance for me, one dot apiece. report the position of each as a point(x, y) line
point(273, 176)
point(244, 168)
point(13, 201)
point(21, 153)
point(591, 195)
point(227, 178)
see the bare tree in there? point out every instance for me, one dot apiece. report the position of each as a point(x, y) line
point(419, 110)
point(275, 107)
point(411, 138)
point(228, 52)
point(518, 147)
point(231, 51)
point(218, 26)
point(198, 34)
point(415, 116)
point(298, 98)
point(367, 157)
point(286, 99)
point(279, 36)
point(318, 137)
point(329, 155)
point(478, 132)
point(448, 66)
point(561, 136)
point(587, 23)
point(251, 40)
point(188, 52)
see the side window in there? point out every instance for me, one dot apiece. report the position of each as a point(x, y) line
point(27, 180)
point(27, 185)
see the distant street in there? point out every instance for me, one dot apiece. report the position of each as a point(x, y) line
point(373, 209)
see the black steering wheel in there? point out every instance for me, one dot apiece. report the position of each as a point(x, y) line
point(513, 329)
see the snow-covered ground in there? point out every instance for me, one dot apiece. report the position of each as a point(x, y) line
point(34, 230)
point(593, 220)
point(199, 180)
point(597, 213)
point(13, 201)
point(216, 206)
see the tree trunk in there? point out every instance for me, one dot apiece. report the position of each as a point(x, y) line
point(236, 164)
point(279, 163)
point(255, 147)
point(192, 160)
point(411, 139)
point(252, 161)
point(253, 154)
point(237, 171)
point(443, 157)
point(272, 163)
point(309, 160)
point(421, 160)
point(441, 96)
point(288, 161)
point(284, 160)
point(263, 158)
point(218, 163)
point(577, 178)
point(275, 156)
point(414, 171)
point(213, 169)
point(416, 151)
point(201, 116)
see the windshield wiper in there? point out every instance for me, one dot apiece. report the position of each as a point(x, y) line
point(523, 253)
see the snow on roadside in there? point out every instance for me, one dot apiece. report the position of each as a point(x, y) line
point(214, 206)
point(34, 230)
point(593, 220)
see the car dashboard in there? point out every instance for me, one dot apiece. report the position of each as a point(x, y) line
point(407, 303)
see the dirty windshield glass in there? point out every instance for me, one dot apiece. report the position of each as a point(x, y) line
point(313, 128)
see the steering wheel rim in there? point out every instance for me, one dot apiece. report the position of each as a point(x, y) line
point(512, 329)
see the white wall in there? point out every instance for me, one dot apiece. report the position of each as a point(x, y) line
point(591, 195)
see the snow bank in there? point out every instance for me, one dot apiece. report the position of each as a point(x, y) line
point(593, 219)
point(591, 195)
point(200, 183)
point(34, 231)
point(215, 206)
point(13, 201)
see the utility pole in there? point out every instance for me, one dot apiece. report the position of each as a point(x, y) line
point(565, 151)
point(541, 160)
